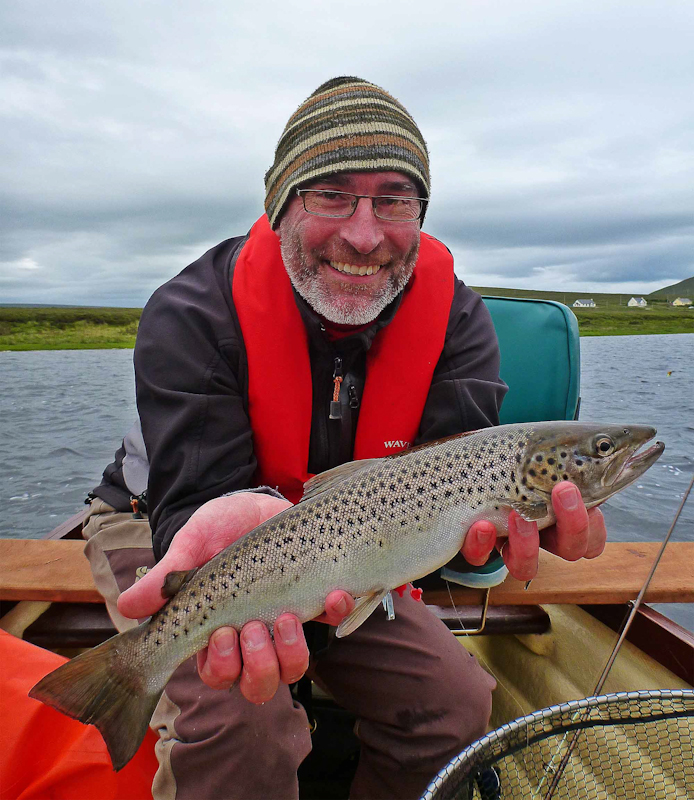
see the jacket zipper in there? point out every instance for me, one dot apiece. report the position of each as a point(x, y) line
point(353, 397)
point(335, 406)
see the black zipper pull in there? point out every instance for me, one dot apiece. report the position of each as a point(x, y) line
point(335, 407)
point(353, 398)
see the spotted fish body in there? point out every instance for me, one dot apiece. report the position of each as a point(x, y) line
point(365, 527)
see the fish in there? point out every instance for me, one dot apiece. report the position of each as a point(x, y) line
point(366, 527)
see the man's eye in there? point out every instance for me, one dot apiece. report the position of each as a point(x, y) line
point(395, 202)
point(329, 196)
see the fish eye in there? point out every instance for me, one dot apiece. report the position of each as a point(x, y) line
point(604, 446)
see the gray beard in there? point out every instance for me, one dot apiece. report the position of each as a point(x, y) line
point(344, 311)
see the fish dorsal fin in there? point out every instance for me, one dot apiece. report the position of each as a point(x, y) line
point(332, 477)
point(364, 608)
point(175, 580)
point(531, 510)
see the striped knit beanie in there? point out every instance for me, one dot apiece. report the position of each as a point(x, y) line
point(346, 125)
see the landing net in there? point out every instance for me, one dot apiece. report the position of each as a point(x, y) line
point(627, 745)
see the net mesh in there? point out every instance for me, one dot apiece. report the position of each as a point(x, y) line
point(622, 746)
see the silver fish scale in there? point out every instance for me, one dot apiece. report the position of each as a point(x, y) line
point(364, 535)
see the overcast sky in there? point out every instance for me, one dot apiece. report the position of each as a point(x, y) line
point(135, 135)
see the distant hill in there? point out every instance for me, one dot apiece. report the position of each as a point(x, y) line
point(684, 288)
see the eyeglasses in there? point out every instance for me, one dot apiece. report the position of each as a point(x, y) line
point(324, 203)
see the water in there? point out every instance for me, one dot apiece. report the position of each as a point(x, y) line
point(647, 379)
point(63, 415)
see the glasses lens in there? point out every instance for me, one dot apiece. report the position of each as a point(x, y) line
point(342, 204)
point(329, 204)
point(398, 208)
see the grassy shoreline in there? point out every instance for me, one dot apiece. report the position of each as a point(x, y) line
point(80, 328)
point(48, 328)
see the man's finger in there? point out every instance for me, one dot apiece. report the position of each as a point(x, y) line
point(291, 647)
point(521, 553)
point(479, 543)
point(219, 664)
point(187, 551)
point(338, 605)
point(144, 597)
point(597, 533)
point(569, 537)
point(260, 676)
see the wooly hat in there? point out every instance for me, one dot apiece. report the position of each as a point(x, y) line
point(346, 125)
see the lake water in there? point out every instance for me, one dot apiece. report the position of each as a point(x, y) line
point(63, 415)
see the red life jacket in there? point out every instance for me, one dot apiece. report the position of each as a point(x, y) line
point(399, 364)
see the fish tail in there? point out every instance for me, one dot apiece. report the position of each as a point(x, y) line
point(108, 687)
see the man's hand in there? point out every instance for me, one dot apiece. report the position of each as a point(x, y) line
point(578, 533)
point(260, 664)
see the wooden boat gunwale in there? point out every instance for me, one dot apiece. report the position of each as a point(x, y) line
point(79, 619)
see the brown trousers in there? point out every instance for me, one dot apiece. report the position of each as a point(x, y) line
point(418, 696)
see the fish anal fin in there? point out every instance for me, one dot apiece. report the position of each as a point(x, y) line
point(332, 477)
point(175, 580)
point(364, 607)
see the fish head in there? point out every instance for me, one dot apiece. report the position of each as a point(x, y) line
point(600, 460)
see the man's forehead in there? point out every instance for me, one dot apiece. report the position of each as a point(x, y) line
point(385, 181)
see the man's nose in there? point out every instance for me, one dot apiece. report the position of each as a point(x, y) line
point(363, 230)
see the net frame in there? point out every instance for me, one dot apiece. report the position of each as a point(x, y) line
point(456, 780)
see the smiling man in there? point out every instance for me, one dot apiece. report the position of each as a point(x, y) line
point(345, 264)
point(335, 330)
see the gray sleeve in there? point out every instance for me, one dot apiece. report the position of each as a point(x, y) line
point(135, 463)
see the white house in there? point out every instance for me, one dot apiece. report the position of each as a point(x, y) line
point(637, 302)
point(682, 301)
point(585, 303)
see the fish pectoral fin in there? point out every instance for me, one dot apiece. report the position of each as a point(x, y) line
point(531, 511)
point(331, 477)
point(363, 609)
point(175, 580)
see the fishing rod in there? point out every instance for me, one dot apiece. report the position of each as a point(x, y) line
point(635, 605)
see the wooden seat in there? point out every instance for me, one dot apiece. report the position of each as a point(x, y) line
point(46, 569)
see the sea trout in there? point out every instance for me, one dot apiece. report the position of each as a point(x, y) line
point(365, 527)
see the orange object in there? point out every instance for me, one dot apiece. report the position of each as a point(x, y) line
point(45, 755)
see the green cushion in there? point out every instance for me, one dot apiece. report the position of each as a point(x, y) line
point(540, 358)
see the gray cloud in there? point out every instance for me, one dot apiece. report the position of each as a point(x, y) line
point(135, 136)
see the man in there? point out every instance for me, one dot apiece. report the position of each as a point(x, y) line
point(333, 330)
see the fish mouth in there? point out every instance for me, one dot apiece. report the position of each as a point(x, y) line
point(637, 464)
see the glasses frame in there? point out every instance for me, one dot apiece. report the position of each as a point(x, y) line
point(373, 197)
